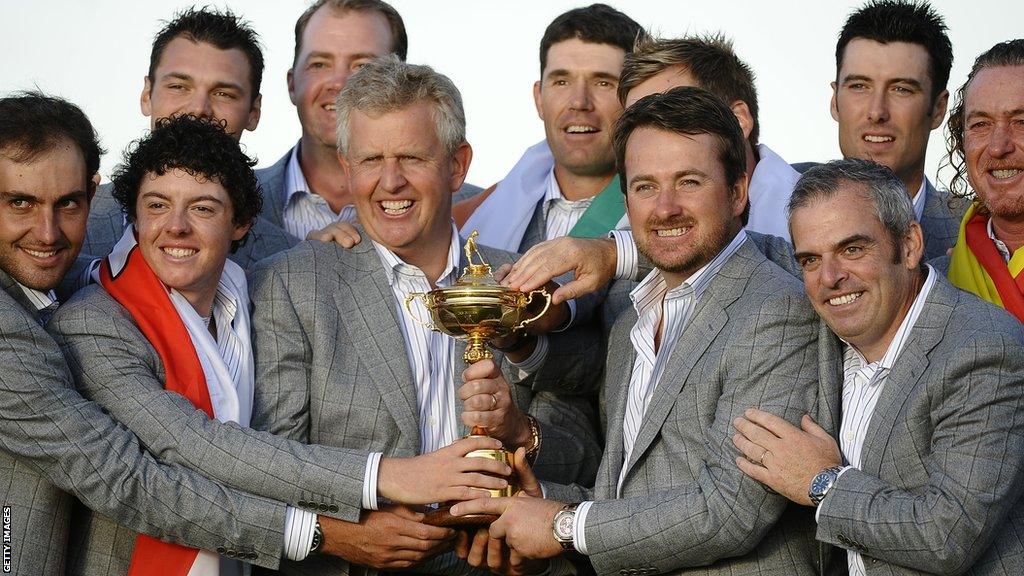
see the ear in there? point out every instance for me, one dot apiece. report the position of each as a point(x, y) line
point(913, 246)
point(939, 109)
point(94, 183)
point(254, 113)
point(291, 85)
point(740, 196)
point(745, 118)
point(240, 231)
point(536, 100)
point(834, 106)
point(346, 168)
point(144, 103)
point(460, 166)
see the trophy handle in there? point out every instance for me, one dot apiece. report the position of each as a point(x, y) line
point(529, 298)
point(408, 306)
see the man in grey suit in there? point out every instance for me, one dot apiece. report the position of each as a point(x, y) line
point(305, 190)
point(210, 64)
point(892, 65)
point(339, 360)
point(716, 326)
point(55, 444)
point(923, 382)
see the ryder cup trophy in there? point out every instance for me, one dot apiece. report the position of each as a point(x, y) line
point(476, 309)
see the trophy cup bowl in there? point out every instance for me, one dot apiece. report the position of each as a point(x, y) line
point(477, 309)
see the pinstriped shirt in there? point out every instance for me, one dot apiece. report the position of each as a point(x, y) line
point(863, 383)
point(560, 213)
point(39, 299)
point(304, 210)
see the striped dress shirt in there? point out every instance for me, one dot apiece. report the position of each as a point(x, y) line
point(863, 383)
point(304, 210)
point(42, 301)
point(560, 214)
point(671, 310)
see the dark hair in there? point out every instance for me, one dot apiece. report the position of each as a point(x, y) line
point(32, 123)
point(709, 59)
point(916, 22)
point(199, 147)
point(1009, 53)
point(399, 38)
point(690, 111)
point(224, 30)
point(879, 183)
point(597, 24)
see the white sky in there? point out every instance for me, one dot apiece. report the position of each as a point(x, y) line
point(96, 53)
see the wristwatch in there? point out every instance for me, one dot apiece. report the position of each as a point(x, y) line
point(318, 539)
point(822, 483)
point(561, 527)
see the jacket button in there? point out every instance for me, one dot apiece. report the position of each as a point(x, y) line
point(333, 508)
point(301, 503)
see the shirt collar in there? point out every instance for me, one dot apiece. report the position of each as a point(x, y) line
point(1004, 250)
point(393, 265)
point(40, 300)
point(294, 179)
point(919, 199)
point(553, 193)
point(771, 172)
point(696, 284)
point(899, 340)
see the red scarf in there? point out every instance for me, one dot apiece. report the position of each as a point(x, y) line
point(139, 290)
point(1010, 289)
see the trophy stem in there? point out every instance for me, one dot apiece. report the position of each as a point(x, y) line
point(476, 349)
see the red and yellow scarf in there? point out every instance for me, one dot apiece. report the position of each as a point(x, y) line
point(978, 267)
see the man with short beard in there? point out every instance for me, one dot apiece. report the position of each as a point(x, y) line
point(986, 147)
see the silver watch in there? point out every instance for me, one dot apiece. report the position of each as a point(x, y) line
point(561, 527)
point(822, 483)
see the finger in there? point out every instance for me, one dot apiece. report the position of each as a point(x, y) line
point(811, 427)
point(485, 368)
point(471, 443)
point(422, 532)
point(528, 483)
point(463, 545)
point(753, 452)
point(573, 289)
point(755, 433)
point(777, 426)
point(753, 470)
point(404, 512)
point(495, 506)
point(474, 387)
point(502, 272)
point(475, 482)
point(490, 419)
point(478, 552)
point(485, 402)
point(495, 554)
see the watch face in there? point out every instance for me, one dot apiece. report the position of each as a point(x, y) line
point(563, 525)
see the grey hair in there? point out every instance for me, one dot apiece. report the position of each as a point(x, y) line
point(386, 84)
point(892, 203)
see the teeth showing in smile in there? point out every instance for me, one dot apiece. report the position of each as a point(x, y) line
point(179, 252)
point(672, 232)
point(395, 207)
point(1005, 173)
point(840, 300)
point(580, 129)
point(39, 254)
point(878, 139)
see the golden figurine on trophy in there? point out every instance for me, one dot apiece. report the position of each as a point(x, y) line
point(477, 309)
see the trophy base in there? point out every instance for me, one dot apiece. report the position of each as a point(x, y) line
point(443, 518)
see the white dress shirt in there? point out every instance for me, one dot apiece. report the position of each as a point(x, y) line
point(919, 199)
point(39, 299)
point(771, 185)
point(304, 210)
point(560, 213)
point(1004, 250)
point(671, 310)
point(863, 383)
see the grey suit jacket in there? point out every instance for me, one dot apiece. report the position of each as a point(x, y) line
point(106, 226)
point(940, 221)
point(116, 366)
point(939, 488)
point(684, 504)
point(333, 369)
point(53, 440)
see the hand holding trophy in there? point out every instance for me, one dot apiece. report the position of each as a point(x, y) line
point(477, 309)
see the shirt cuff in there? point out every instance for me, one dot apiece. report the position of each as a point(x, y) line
point(579, 538)
point(534, 361)
point(299, 525)
point(370, 481)
point(626, 263)
point(817, 509)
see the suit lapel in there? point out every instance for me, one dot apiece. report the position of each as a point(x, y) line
point(536, 230)
point(369, 315)
point(619, 371)
point(906, 372)
point(273, 186)
point(14, 291)
point(830, 380)
point(708, 319)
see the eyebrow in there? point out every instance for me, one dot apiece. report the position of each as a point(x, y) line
point(862, 78)
point(8, 195)
point(329, 56)
point(162, 196)
point(189, 78)
point(853, 239)
point(676, 176)
point(984, 114)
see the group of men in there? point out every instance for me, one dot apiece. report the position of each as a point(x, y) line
point(749, 367)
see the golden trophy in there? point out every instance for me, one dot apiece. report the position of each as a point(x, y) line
point(476, 309)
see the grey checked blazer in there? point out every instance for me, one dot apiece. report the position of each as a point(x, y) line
point(116, 366)
point(106, 225)
point(939, 488)
point(271, 180)
point(940, 221)
point(685, 507)
point(332, 367)
point(53, 440)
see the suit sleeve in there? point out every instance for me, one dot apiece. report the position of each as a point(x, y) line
point(976, 473)
point(114, 365)
point(769, 362)
point(78, 448)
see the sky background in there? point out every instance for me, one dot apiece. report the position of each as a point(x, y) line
point(96, 53)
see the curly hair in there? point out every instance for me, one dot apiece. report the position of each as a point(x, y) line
point(1009, 53)
point(199, 147)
